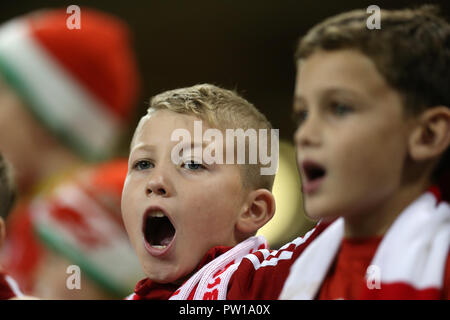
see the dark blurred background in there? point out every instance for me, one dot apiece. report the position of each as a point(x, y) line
point(244, 45)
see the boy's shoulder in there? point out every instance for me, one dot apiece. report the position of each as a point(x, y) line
point(261, 275)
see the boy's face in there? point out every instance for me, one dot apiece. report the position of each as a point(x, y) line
point(352, 134)
point(175, 213)
point(17, 125)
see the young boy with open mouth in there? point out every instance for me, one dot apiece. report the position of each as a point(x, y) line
point(191, 220)
point(373, 127)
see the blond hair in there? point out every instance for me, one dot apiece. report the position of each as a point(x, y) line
point(222, 109)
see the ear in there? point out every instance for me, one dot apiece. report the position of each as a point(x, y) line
point(431, 137)
point(259, 210)
point(2, 231)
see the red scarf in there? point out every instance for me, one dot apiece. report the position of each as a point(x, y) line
point(147, 289)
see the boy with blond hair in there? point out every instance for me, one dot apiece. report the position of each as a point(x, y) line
point(190, 219)
point(372, 109)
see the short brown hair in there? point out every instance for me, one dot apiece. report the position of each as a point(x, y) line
point(411, 51)
point(7, 188)
point(222, 109)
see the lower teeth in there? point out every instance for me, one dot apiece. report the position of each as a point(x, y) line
point(158, 246)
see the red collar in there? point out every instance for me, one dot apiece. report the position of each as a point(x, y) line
point(147, 289)
point(436, 191)
point(444, 185)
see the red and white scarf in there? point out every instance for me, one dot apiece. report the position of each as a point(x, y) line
point(211, 281)
point(408, 264)
point(8, 287)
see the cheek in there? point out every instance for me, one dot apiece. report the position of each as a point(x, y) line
point(210, 212)
point(133, 190)
point(125, 201)
point(130, 209)
point(374, 159)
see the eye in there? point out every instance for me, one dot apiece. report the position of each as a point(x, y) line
point(341, 109)
point(142, 165)
point(193, 165)
point(299, 116)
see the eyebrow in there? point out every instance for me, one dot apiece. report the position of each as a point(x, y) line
point(152, 148)
point(146, 147)
point(299, 99)
point(350, 91)
point(194, 145)
point(143, 147)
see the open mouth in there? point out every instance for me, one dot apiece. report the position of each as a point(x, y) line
point(158, 229)
point(313, 171)
point(314, 175)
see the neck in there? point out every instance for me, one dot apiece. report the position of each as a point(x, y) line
point(375, 221)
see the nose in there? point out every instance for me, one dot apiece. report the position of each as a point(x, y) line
point(308, 133)
point(158, 185)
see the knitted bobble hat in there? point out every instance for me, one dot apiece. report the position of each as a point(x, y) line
point(80, 83)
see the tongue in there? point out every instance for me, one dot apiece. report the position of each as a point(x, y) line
point(166, 241)
point(161, 232)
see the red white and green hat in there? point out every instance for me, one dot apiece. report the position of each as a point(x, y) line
point(80, 83)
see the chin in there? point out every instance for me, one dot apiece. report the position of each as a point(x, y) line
point(163, 273)
point(161, 277)
point(318, 212)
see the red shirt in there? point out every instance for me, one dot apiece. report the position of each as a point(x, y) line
point(346, 277)
point(347, 274)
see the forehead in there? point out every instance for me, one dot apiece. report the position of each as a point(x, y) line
point(339, 69)
point(160, 124)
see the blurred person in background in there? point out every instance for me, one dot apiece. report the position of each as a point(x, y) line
point(8, 287)
point(66, 97)
point(72, 243)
